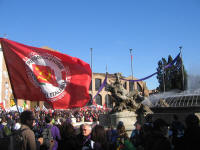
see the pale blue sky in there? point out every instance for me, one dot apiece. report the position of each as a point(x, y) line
point(152, 28)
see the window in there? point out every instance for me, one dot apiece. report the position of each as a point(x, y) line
point(99, 99)
point(139, 88)
point(131, 86)
point(97, 84)
point(109, 103)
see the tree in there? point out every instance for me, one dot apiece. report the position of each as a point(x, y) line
point(160, 75)
point(172, 77)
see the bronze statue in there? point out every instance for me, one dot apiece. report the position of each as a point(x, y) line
point(125, 100)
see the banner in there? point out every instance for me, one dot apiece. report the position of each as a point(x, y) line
point(38, 74)
point(101, 87)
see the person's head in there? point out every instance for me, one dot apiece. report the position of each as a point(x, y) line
point(99, 134)
point(192, 121)
point(48, 119)
point(120, 124)
point(175, 117)
point(27, 118)
point(86, 130)
point(121, 130)
point(138, 126)
point(68, 129)
point(161, 126)
point(148, 118)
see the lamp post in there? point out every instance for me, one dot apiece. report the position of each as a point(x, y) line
point(131, 62)
point(92, 75)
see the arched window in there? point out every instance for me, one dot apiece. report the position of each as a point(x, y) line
point(97, 84)
point(131, 86)
point(125, 85)
point(99, 99)
point(109, 103)
point(139, 88)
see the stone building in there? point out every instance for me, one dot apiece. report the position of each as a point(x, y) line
point(6, 95)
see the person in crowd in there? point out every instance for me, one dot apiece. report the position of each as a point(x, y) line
point(1, 128)
point(86, 143)
point(29, 143)
point(190, 140)
point(176, 132)
point(137, 135)
point(17, 125)
point(158, 139)
point(123, 142)
point(99, 137)
point(111, 135)
point(54, 131)
point(69, 140)
point(149, 120)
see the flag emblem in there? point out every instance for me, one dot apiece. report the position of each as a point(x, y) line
point(44, 74)
point(48, 73)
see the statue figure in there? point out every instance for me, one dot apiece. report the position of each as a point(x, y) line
point(162, 103)
point(125, 100)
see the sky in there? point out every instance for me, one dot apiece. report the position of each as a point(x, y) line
point(152, 28)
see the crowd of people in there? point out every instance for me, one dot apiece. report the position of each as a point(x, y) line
point(54, 130)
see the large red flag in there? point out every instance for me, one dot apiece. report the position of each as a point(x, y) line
point(39, 74)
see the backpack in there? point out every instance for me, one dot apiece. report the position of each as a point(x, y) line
point(6, 131)
point(14, 141)
point(47, 137)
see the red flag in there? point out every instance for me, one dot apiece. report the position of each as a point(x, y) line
point(1, 105)
point(39, 74)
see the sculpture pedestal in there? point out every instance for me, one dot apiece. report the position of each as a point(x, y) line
point(127, 117)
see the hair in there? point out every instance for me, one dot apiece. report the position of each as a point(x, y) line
point(68, 130)
point(26, 115)
point(122, 131)
point(192, 121)
point(48, 119)
point(89, 126)
point(99, 136)
point(175, 117)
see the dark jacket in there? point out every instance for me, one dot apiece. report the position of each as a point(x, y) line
point(157, 141)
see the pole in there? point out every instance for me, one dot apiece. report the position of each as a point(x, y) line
point(182, 69)
point(131, 62)
point(92, 74)
point(10, 81)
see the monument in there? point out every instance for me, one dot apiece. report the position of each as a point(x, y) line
point(128, 106)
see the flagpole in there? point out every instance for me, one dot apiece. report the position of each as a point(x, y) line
point(131, 62)
point(10, 80)
point(182, 69)
point(92, 74)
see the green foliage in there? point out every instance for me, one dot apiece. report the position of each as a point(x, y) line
point(172, 77)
